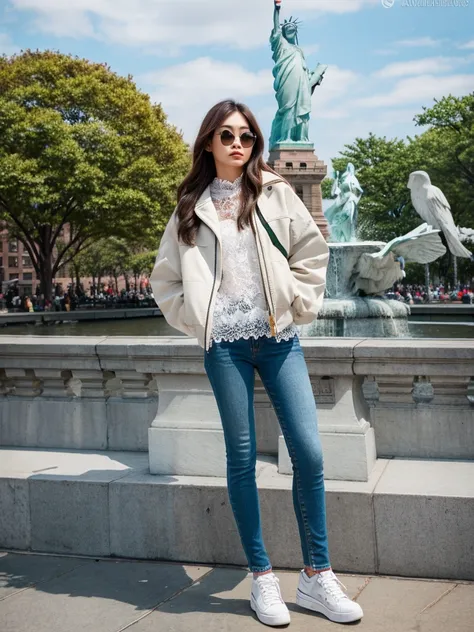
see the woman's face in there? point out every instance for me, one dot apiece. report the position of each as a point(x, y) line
point(233, 155)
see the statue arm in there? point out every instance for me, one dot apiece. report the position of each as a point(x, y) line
point(276, 20)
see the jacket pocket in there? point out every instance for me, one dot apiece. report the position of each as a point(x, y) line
point(196, 300)
point(285, 284)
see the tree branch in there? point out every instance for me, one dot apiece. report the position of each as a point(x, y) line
point(70, 206)
point(79, 249)
point(58, 263)
point(27, 241)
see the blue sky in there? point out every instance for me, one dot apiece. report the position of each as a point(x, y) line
point(385, 63)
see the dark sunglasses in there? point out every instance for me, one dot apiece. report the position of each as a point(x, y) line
point(247, 139)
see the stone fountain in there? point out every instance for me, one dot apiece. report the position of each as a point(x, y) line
point(360, 272)
point(346, 315)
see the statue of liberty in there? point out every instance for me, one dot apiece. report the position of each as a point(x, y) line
point(294, 83)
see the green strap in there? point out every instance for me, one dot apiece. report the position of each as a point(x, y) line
point(276, 242)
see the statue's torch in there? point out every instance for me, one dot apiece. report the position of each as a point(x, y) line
point(278, 4)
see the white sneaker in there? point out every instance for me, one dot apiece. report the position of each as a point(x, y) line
point(266, 600)
point(322, 593)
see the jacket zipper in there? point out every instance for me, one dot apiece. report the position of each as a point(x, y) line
point(271, 306)
point(212, 294)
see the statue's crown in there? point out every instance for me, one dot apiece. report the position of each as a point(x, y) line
point(295, 22)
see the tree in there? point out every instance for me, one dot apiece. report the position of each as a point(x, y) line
point(91, 262)
point(82, 148)
point(115, 255)
point(142, 263)
point(326, 186)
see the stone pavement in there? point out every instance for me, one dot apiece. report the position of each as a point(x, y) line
point(46, 593)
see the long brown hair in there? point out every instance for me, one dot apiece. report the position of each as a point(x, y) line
point(203, 171)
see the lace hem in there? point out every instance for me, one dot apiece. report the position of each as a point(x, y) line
point(246, 330)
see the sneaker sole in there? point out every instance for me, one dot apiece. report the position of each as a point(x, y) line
point(265, 618)
point(311, 604)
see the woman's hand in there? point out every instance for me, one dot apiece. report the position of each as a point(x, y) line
point(277, 5)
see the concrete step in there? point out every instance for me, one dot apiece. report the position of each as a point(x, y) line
point(412, 518)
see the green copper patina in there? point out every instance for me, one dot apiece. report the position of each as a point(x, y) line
point(294, 84)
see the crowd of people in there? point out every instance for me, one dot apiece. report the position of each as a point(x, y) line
point(76, 298)
point(416, 294)
point(108, 298)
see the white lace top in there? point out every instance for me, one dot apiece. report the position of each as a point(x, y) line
point(241, 307)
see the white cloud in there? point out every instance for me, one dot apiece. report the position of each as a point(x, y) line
point(7, 47)
point(422, 88)
point(188, 90)
point(330, 139)
point(336, 83)
point(311, 49)
point(176, 23)
point(420, 67)
point(419, 42)
point(468, 45)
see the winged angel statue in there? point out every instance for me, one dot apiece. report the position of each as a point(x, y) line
point(374, 273)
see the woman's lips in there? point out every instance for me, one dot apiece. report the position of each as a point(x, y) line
point(237, 153)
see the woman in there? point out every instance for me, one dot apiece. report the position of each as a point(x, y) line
point(241, 288)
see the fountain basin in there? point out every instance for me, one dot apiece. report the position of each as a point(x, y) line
point(360, 317)
point(347, 315)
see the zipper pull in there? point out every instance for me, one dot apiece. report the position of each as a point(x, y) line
point(272, 325)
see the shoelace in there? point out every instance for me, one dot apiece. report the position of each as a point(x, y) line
point(269, 589)
point(332, 585)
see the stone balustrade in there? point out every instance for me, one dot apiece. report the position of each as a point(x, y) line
point(385, 398)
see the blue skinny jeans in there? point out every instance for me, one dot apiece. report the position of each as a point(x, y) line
point(281, 366)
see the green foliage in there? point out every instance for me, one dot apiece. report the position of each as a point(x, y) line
point(143, 262)
point(445, 151)
point(115, 257)
point(326, 186)
point(80, 145)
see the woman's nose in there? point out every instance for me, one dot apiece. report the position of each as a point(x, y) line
point(237, 144)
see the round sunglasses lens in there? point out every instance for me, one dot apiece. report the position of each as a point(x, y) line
point(247, 139)
point(227, 138)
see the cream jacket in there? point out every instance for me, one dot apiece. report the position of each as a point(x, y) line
point(185, 279)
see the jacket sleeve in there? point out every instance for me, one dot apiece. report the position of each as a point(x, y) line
point(166, 279)
point(308, 260)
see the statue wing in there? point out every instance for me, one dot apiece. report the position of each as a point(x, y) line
point(374, 275)
point(422, 245)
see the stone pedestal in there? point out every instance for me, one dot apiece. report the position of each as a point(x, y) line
point(298, 164)
point(186, 436)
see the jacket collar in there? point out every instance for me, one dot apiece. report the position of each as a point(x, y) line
point(206, 210)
